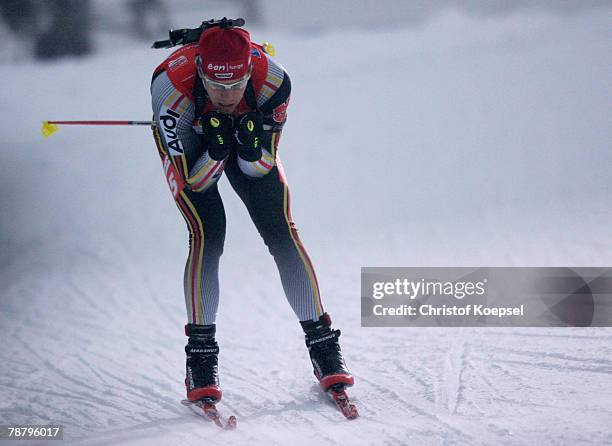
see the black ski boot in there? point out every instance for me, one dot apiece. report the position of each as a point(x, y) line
point(202, 380)
point(325, 354)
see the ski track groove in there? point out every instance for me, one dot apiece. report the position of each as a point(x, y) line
point(85, 296)
point(243, 403)
point(494, 397)
point(91, 391)
point(66, 377)
point(510, 373)
point(142, 392)
point(65, 393)
point(163, 372)
point(500, 395)
point(450, 388)
point(489, 364)
point(401, 404)
point(69, 378)
point(99, 404)
point(427, 386)
point(155, 383)
point(253, 381)
point(297, 408)
point(604, 363)
point(51, 409)
point(556, 367)
point(88, 366)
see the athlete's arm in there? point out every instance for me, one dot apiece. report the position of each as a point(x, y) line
point(273, 106)
point(173, 113)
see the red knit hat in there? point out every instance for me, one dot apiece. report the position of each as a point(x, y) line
point(225, 53)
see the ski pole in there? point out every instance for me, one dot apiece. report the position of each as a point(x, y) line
point(50, 127)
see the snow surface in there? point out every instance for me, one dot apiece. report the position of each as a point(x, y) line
point(463, 142)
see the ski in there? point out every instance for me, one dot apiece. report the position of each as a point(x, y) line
point(339, 396)
point(212, 413)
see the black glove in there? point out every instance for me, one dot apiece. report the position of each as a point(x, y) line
point(217, 130)
point(248, 130)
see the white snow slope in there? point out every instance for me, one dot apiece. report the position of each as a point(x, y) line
point(463, 142)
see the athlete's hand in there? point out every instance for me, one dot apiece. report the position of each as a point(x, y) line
point(248, 130)
point(217, 129)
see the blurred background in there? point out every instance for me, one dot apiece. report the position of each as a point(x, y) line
point(48, 29)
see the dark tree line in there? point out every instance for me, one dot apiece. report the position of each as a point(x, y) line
point(55, 27)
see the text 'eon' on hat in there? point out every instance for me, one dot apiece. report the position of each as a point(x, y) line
point(225, 53)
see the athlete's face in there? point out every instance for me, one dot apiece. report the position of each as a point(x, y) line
point(226, 94)
point(226, 101)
